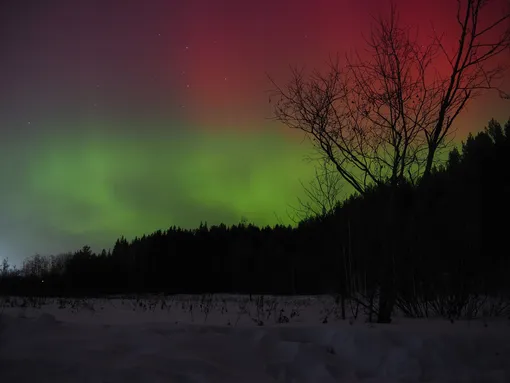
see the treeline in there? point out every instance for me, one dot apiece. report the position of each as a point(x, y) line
point(446, 236)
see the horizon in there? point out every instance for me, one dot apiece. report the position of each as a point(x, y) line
point(163, 119)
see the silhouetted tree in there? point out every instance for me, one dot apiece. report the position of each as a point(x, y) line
point(383, 118)
point(478, 63)
point(322, 194)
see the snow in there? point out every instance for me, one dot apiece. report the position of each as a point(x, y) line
point(186, 339)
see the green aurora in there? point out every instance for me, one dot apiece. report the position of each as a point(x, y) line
point(121, 118)
point(87, 185)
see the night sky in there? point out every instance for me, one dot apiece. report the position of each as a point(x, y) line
point(121, 117)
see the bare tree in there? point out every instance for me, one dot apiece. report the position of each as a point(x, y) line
point(478, 63)
point(322, 193)
point(4, 270)
point(384, 116)
point(365, 117)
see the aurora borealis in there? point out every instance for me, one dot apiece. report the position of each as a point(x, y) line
point(121, 117)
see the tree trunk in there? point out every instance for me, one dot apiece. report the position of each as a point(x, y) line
point(386, 300)
point(342, 302)
point(430, 162)
point(387, 292)
point(434, 142)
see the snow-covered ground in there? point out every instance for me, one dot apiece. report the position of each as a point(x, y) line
point(226, 339)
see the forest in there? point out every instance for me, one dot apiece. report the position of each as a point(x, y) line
point(444, 239)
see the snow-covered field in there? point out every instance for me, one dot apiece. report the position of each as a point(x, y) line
point(224, 339)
